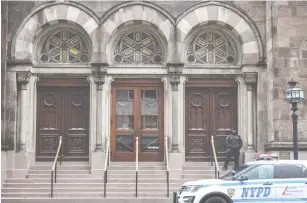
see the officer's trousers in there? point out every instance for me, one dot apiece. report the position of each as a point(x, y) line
point(232, 153)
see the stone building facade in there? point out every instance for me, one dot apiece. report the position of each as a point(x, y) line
point(105, 74)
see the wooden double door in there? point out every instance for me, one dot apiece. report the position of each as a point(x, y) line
point(137, 112)
point(62, 111)
point(209, 112)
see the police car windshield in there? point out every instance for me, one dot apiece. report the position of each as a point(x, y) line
point(229, 176)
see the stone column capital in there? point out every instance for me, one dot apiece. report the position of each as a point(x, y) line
point(99, 70)
point(250, 78)
point(174, 80)
point(23, 78)
point(99, 80)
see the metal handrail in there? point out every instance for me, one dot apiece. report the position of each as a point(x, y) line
point(136, 166)
point(216, 170)
point(106, 163)
point(55, 163)
point(167, 168)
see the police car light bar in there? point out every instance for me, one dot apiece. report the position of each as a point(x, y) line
point(259, 157)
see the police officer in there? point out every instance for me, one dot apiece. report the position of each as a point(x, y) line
point(233, 146)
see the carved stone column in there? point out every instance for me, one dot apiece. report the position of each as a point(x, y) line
point(23, 79)
point(99, 72)
point(251, 81)
point(174, 70)
point(175, 80)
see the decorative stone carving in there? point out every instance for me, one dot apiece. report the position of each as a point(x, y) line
point(64, 46)
point(23, 79)
point(99, 70)
point(174, 80)
point(174, 70)
point(99, 81)
point(211, 47)
point(137, 47)
point(250, 78)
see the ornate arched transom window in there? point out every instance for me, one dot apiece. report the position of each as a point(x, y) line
point(137, 47)
point(211, 47)
point(64, 46)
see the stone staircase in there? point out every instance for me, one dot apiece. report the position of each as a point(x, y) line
point(75, 181)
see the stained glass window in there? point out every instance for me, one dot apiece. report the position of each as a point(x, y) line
point(137, 47)
point(64, 46)
point(211, 47)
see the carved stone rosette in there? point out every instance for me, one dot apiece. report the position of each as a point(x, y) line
point(250, 79)
point(23, 79)
point(174, 80)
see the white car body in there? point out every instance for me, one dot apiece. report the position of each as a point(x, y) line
point(253, 191)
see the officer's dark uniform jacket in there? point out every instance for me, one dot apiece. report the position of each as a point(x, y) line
point(233, 142)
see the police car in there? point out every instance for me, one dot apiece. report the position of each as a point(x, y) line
point(258, 181)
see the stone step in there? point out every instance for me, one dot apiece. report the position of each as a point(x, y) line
point(26, 194)
point(132, 172)
point(200, 172)
point(85, 190)
point(197, 177)
point(61, 167)
point(133, 164)
point(143, 180)
point(61, 176)
point(206, 163)
point(204, 168)
point(83, 195)
point(143, 185)
point(64, 163)
point(88, 199)
point(88, 185)
point(56, 189)
point(56, 185)
point(133, 168)
point(140, 176)
point(59, 171)
point(60, 180)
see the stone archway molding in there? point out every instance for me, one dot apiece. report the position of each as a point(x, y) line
point(141, 12)
point(228, 16)
point(21, 47)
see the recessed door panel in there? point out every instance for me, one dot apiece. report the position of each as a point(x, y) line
point(49, 125)
point(76, 123)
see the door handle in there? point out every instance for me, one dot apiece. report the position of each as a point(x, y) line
point(267, 183)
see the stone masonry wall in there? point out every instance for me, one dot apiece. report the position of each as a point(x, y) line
point(4, 23)
point(290, 62)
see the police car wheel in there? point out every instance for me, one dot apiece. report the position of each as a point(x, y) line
point(215, 200)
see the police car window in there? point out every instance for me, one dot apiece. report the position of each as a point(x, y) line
point(265, 171)
point(292, 171)
point(239, 169)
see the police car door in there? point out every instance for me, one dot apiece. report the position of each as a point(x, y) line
point(256, 185)
point(292, 185)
